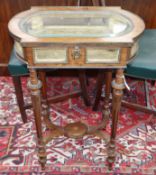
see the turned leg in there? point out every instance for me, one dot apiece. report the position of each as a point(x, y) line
point(34, 84)
point(106, 110)
point(83, 84)
point(19, 96)
point(45, 104)
point(118, 86)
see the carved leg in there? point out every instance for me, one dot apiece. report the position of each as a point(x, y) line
point(118, 86)
point(83, 84)
point(34, 84)
point(106, 110)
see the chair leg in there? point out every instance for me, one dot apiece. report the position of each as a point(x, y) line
point(134, 106)
point(19, 96)
point(108, 80)
point(153, 82)
point(138, 107)
point(147, 98)
point(100, 79)
point(83, 84)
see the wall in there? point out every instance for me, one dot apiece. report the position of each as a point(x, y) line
point(144, 8)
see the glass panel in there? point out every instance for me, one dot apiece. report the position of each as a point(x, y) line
point(97, 55)
point(50, 55)
point(76, 24)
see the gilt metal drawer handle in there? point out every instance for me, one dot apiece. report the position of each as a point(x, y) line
point(76, 53)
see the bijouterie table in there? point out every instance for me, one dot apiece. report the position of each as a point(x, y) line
point(79, 38)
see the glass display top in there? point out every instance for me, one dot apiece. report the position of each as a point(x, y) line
point(105, 23)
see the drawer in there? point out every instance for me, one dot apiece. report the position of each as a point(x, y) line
point(75, 56)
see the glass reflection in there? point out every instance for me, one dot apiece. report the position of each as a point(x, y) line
point(76, 24)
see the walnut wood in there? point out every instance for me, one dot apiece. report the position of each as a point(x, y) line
point(81, 130)
point(63, 97)
point(27, 106)
point(36, 101)
point(99, 84)
point(59, 98)
point(19, 96)
point(75, 130)
point(124, 43)
point(56, 99)
point(106, 108)
point(138, 107)
point(54, 133)
point(118, 86)
point(42, 77)
point(82, 60)
point(75, 62)
point(45, 104)
point(83, 84)
point(98, 92)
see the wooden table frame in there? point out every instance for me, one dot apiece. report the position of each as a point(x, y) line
point(124, 43)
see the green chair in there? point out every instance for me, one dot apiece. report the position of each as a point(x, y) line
point(17, 69)
point(142, 67)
